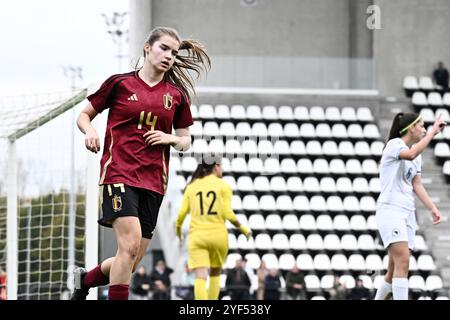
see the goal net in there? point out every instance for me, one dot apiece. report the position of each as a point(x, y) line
point(43, 194)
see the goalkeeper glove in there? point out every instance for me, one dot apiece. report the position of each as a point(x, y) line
point(245, 230)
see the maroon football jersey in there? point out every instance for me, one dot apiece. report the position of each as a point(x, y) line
point(135, 108)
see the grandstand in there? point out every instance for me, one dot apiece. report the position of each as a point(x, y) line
point(300, 117)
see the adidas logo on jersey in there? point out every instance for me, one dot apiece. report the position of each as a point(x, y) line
point(133, 97)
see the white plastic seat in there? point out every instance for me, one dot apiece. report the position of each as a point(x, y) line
point(263, 242)
point(446, 99)
point(232, 241)
point(259, 129)
point(286, 113)
point(374, 185)
point(267, 203)
point(320, 166)
point(344, 185)
point(348, 114)
point(255, 165)
point(294, 184)
point(318, 204)
point(419, 99)
point(341, 222)
point(270, 260)
point(254, 113)
point(362, 149)
point(284, 204)
point(433, 282)
point(222, 112)
point(372, 223)
point(265, 147)
point(199, 146)
point(332, 114)
point(349, 242)
point(243, 129)
point(245, 183)
point(249, 146)
point(339, 262)
point(227, 129)
point(245, 244)
point(250, 203)
point(230, 262)
point(353, 166)
point(307, 222)
point(286, 261)
point(290, 222)
point(312, 282)
point(307, 130)
point(305, 262)
point(371, 131)
point(317, 113)
point(322, 262)
point(327, 280)
point(275, 130)
point(346, 148)
point(332, 242)
point(367, 281)
point(376, 148)
point(314, 242)
point(425, 262)
point(347, 280)
point(232, 147)
point(236, 203)
point(281, 147)
point(358, 223)
point(288, 166)
point(271, 166)
point(256, 222)
point(360, 185)
point(425, 83)
point(374, 262)
point(323, 131)
point(216, 147)
point(337, 166)
point(278, 184)
point(419, 243)
point(301, 113)
point(196, 129)
point(334, 204)
point(330, 148)
point(273, 222)
point(339, 131)
point(261, 184)
point(238, 165)
point(206, 112)
point(188, 164)
point(416, 282)
point(297, 148)
point(297, 241)
point(364, 114)
point(412, 263)
point(314, 148)
point(427, 115)
point(253, 260)
point(351, 204)
point(368, 204)
point(327, 185)
point(270, 113)
point(435, 99)
point(369, 167)
point(410, 83)
point(442, 150)
point(301, 203)
point(280, 241)
point(305, 166)
point(356, 262)
point(291, 130)
point(237, 112)
point(194, 112)
point(355, 131)
point(365, 242)
point(231, 182)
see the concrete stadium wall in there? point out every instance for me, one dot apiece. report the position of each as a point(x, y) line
point(414, 36)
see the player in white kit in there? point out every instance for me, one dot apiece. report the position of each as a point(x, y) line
point(400, 177)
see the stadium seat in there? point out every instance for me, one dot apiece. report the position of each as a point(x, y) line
point(372, 223)
point(275, 130)
point(222, 112)
point(253, 260)
point(339, 131)
point(278, 184)
point(290, 222)
point(349, 242)
point(273, 222)
point(368, 204)
point(231, 182)
point(232, 242)
point(297, 148)
point(330, 148)
point(346, 149)
point(294, 185)
point(323, 131)
point(344, 185)
point(355, 131)
point(236, 203)
point(269, 113)
point(435, 100)
point(362, 149)
point(410, 84)
point(281, 147)
point(280, 241)
point(348, 114)
point(285, 113)
point(265, 148)
point(337, 166)
point(238, 165)
point(318, 204)
point(301, 203)
point(353, 166)
point(327, 185)
point(243, 129)
point(327, 280)
point(256, 166)
point(419, 99)
point(332, 114)
point(301, 113)
point(360, 185)
point(446, 99)
point(371, 131)
point(227, 129)
point(256, 222)
point(334, 204)
point(320, 166)
point(351, 204)
point(288, 166)
point(366, 243)
point(259, 129)
point(374, 262)
point(217, 147)
point(376, 148)
point(196, 129)
point(284, 204)
point(270, 260)
point(254, 113)
point(232, 147)
point(194, 112)
point(419, 243)
point(416, 282)
point(261, 184)
point(245, 244)
point(307, 130)
point(312, 282)
point(317, 113)
point(374, 185)
point(314, 148)
point(367, 281)
point(267, 203)
point(305, 166)
point(426, 84)
point(206, 112)
point(188, 164)
point(250, 203)
point(297, 241)
point(263, 242)
point(425, 262)
point(356, 262)
point(347, 280)
point(237, 113)
point(271, 166)
point(305, 262)
point(324, 222)
point(249, 147)
point(364, 114)
point(286, 261)
point(413, 263)
point(332, 242)
point(322, 262)
point(230, 262)
point(358, 222)
point(307, 222)
point(245, 184)
point(427, 115)
point(341, 222)
point(291, 130)
point(314, 242)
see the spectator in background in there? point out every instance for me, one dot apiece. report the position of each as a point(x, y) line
point(160, 280)
point(359, 292)
point(140, 285)
point(295, 284)
point(339, 290)
point(440, 76)
point(2, 284)
point(272, 285)
point(238, 283)
point(186, 288)
point(261, 273)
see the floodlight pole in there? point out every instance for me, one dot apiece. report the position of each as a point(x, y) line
point(118, 34)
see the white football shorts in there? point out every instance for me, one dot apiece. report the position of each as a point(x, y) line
point(396, 224)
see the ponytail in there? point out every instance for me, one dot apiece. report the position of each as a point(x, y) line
point(401, 124)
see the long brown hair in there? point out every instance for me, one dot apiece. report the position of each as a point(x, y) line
point(196, 59)
point(400, 122)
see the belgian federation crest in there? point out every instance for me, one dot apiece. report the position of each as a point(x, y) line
point(117, 203)
point(167, 101)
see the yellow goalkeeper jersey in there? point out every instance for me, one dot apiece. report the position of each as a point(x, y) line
point(208, 200)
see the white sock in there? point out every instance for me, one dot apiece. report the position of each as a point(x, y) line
point(383, 290)
point(400, 288)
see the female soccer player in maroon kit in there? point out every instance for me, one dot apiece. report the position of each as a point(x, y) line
point(143, 107)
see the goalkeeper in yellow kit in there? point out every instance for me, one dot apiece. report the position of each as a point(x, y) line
point(207, 198)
